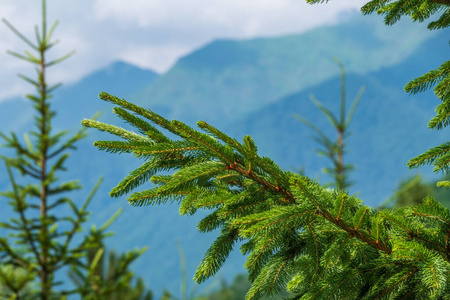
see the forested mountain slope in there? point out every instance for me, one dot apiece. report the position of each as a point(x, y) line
point(227, 79)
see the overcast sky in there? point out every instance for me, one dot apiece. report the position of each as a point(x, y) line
point(152, 34)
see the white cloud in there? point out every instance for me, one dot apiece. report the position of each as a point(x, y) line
point(149, 33)
point(154, 57)
point(231, 17)
point(140, 12)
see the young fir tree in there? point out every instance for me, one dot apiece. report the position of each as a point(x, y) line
point(237, 290)
point(183, 285)
point(335, 150)
point(184, 295)
point(317, 243)
point(41, 241)
point(109, 276)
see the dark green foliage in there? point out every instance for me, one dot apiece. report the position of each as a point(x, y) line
point(442, 195)
point(108, 276)
point(414, 190)
point(411, 191)
point(237, 290)
point(335, 150)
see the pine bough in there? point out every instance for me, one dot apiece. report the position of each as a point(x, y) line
point(316, 242)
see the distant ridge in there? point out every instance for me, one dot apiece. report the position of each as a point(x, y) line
point(227, 79)
point(80, 99)
point(385, 116)
point(119, 78)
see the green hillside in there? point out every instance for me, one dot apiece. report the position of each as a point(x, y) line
point(385, 115)
point(227, 79)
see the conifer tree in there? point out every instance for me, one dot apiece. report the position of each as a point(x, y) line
point(335, 150)
point(441, 194)
point(184, 295)
point(109, 276)
point(237, 290)
point(420, 11)
point(41, 241)
point(317, 243)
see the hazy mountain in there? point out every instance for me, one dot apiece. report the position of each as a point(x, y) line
point(254, 87)
point(80, 99)
point(388, 128)
point(77, 100)
point(227, 79)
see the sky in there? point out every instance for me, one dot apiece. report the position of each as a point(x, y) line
point(151, 34)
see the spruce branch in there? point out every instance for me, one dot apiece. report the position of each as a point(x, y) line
point(248, 198)
point(432, 156)
point(319, 243)
point(216, 254)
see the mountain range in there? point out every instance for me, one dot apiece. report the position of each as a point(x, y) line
point(254, 87)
